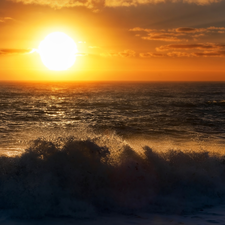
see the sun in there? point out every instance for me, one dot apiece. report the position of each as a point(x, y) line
point(58, 51)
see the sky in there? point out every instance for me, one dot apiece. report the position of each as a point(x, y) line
point(129, 40)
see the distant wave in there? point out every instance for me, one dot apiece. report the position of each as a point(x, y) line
point(219, 103)
point(81, 177)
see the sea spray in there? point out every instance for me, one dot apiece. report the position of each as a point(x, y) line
point(83, 175)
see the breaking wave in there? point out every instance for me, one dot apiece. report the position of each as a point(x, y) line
point(82, 177)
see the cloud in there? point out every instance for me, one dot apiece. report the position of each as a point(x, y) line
point(15, 51)
point(161, 37)
point(98, 4)
point(201, 2)
point(203, 50)
point(179, 54)
point(158, 35)
point(184, 54)
point(127, 3)
point(5, 19)
point(191, 49)
point(169, 54)
point(125, 54)
point(220, 30)
point(58, 4)
point(216, 28)
point(197, 30)
point(210, 54)
point(150, 54)
point(141, 29)
point(208, 46)
point(176, 34)
point(190, 30)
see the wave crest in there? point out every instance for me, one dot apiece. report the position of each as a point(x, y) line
point(79, 178)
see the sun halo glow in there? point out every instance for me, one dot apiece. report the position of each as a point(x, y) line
point(58, 51)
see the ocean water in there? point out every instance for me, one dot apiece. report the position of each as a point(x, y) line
point(82, 149)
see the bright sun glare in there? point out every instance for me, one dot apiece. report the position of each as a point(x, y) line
point(58, 51)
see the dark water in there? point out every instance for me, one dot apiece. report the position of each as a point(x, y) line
point(80, 149)
point(171, 111)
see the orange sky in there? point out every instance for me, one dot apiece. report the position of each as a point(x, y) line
point(116, 39)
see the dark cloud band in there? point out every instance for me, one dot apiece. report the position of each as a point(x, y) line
point(190, 47)
point(97, 4)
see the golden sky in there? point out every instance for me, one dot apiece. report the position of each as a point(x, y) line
point(130, 40)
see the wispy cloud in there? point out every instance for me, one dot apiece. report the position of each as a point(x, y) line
point(179, 54)
point(162, 37)
point(151, 54)
point(210, 54)
point(187, 50)
point(174, 51)
point(5, 19)
point(127, 3)
point(124, 54)
point(15, 51)
point(176, 54)
point(58, 4)
point(159, 35)
point(190, 30)
point(199, 30)
point(127, 53)
point(98, 4)
point(200, 46)
point(176, 34)
point(168, 54)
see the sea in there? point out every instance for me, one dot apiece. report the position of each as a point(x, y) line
point(80, 149)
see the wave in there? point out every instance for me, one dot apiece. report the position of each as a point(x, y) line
point(82, 177)
point(219, 103)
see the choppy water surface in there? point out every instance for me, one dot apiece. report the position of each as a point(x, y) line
point(163, 112)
